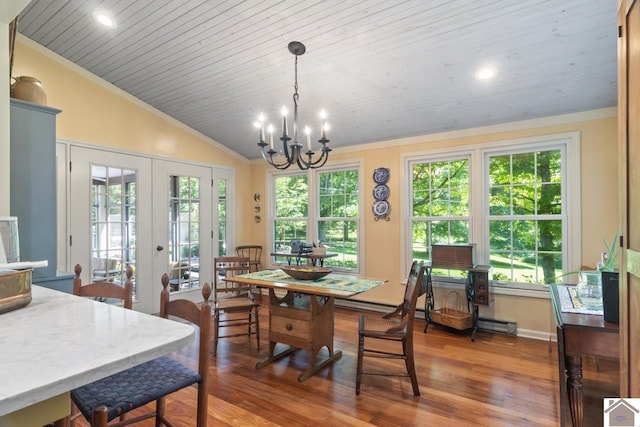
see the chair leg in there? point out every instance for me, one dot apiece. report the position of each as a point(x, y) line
point(160, 405)
point(411, 368)
point(359, 364)
point(215, 333)
point(99, 417)
point(257, 328)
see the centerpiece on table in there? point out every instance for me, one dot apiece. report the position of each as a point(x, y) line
point(598, 289)
point(305, 272)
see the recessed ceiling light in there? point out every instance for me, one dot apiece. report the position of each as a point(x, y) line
point(104, 19)
point(486, 73)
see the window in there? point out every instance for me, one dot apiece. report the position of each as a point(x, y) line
point(320, 205)
point(338, 219)
point(223, 192)
point(184, 232)
point(440, 211)
point(113, 223)
point(525, 216)
point(510, 198)
point(291, 207)
point(222, 217)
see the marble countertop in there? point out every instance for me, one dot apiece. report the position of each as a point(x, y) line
point(59, 342)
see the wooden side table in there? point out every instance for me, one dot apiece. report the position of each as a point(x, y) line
point(579, 335)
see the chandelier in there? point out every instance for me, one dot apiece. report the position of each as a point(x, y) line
point(293, 152)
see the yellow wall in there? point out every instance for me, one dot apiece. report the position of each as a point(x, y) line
point(599, 152)
point(94, 112)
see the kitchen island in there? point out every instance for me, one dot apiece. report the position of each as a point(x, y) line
point(60, 341)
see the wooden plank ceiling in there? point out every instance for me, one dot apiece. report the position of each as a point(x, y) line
point(382, 69)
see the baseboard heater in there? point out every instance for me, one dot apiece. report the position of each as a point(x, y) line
point(485, 324)
point(500, 326)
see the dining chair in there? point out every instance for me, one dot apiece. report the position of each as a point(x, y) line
point(109, 398)
point(254, 253)
point(238, 310)
point(395, 326)
point(105, 289)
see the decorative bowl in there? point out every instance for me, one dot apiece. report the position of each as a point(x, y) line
point(306, 272)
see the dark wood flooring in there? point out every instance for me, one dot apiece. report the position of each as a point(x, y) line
point(498, 380)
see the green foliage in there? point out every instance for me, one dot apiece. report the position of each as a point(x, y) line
point(611, 254)
point(525, 244)
point(292, 196)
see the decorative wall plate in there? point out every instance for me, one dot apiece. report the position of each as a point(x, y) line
point(381, 192)
point(380, 208)
point(381, 175)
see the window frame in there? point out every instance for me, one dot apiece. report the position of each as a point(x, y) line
point(568, 143)
point(313, 208)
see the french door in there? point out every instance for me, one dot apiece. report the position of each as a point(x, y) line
point(155, 215)
point(110, 220)
point(182, 228)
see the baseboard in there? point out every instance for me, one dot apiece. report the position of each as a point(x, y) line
point(486, 324)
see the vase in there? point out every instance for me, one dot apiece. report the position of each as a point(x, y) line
point(29, 89)
point(589, 289)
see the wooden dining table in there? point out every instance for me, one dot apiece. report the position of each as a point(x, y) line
point(301, 312)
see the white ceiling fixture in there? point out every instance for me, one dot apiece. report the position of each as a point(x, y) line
point(486, 73)
point(104, 18)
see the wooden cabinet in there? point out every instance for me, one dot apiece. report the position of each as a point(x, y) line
point(33, 188)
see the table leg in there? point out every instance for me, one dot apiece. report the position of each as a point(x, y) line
point(476, 321)
point(574, 386)
point(313, 368)
point(562, 377)
point(429, 301)
point(274, 357)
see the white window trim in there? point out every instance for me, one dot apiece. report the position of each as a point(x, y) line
point(478, 228)
point(313, 208)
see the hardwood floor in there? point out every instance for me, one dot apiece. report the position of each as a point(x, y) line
point(497, 380)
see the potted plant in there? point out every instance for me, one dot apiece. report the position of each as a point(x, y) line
point(608, 267)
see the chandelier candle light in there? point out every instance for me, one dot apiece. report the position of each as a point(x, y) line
point(293, 153)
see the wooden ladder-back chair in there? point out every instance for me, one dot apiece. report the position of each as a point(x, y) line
point(239, 310)
point(105, 289)
point(254, 253)
point(112, 397)
point(395, 326)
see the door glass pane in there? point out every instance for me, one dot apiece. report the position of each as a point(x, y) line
point(222, 217)
point(184, 232)
point(113, 224)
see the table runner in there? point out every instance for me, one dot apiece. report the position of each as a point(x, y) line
point(331, 281)
point(571, 303)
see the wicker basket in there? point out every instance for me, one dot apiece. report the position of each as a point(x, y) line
point(452, 312)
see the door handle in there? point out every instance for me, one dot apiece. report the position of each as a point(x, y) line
point(159, 248)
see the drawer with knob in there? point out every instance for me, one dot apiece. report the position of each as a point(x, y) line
point(481, 285)
point(290, 327)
